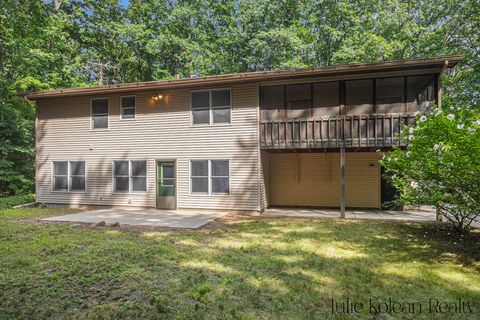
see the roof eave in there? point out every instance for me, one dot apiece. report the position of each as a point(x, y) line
point(247, 77)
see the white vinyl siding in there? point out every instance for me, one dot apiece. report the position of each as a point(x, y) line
point(162, 130)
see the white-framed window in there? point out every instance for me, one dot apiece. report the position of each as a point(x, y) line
point(210, 176)
point(199, 176)
point(220, 176)
point(99, 113)
point(69, 176)
point(130, 176)
point(211, 106)
point(127, 108)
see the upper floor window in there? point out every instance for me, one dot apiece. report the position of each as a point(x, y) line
point(69, 175)
point(99, 113)
point(130, 176)
point(211, 106)
point(128, 108)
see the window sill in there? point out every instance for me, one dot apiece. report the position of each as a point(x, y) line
point(209, 194)
point(66, 191)
point(211, 125)
point(100, 130)
point(131, 193)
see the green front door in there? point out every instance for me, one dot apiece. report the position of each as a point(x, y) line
point(166, 185)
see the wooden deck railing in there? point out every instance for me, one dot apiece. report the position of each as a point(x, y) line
point(370, 130)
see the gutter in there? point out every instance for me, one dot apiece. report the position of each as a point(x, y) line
point(450, 61)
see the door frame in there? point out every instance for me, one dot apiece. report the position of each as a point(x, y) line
point(157, 161)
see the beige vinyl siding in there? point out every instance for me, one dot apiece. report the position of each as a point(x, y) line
point(313, 179)
point(264, 180)
point(162, 130)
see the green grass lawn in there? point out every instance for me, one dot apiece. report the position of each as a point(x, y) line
point(252, 268)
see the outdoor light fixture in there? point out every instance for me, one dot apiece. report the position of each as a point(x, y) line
point(157, 97)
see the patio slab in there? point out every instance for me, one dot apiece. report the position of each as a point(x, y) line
point(143, 217)
point(423, 214)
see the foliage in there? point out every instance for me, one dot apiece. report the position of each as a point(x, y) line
point(256, 268)
point(7, 202)
point(17, 142)
point(41, 48)
point(441, 164)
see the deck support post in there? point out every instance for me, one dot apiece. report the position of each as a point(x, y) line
point(342, 182)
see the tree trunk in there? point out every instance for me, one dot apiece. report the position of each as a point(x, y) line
point(57, 4)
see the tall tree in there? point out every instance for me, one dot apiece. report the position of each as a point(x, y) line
point(46, 44)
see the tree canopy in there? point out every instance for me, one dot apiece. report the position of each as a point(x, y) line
point(43, 46)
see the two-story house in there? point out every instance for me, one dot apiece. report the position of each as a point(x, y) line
point(241, 141)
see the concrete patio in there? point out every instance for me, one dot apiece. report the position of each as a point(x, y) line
point(195, 219)
point(143, 217)
point(422, 214)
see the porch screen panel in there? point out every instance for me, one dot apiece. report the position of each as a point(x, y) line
point(299, 100)
point(359, 96)
point(326, 99)
point(272, 103)
point(420, 92)
point(389, 95)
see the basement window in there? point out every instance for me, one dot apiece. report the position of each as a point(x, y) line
point(199, 176)
point(130, 176)
point(69, 176)
point(210, 176)
point(220, 176)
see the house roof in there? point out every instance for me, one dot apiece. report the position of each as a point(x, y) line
point(225, 79)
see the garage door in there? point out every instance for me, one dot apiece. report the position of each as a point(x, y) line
point(313, 179)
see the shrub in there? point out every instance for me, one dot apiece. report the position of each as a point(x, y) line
point(441, 165)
